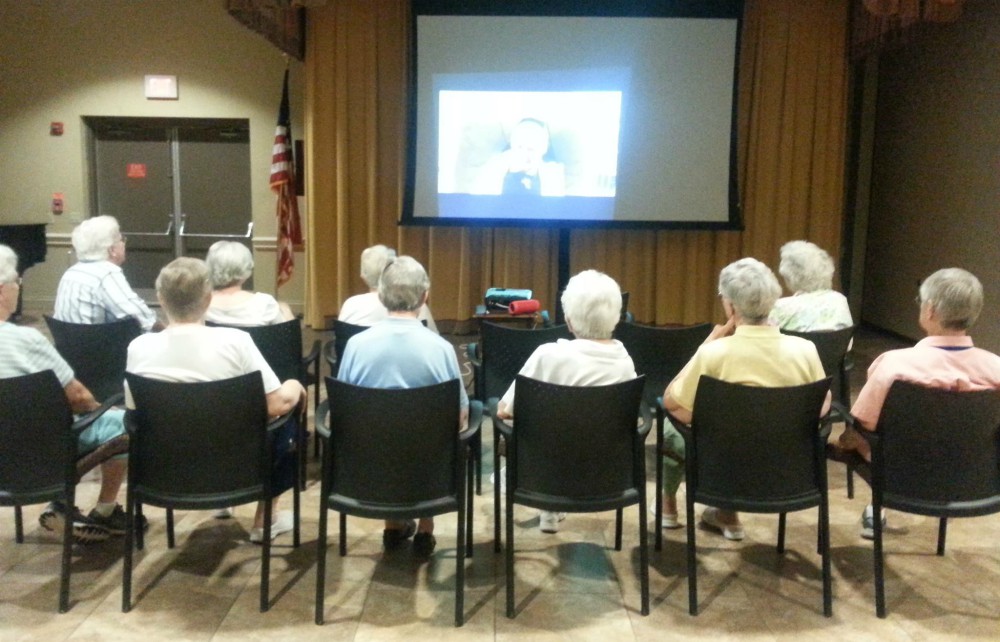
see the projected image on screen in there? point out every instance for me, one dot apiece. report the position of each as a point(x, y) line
point(573, 114)
point(528, 143)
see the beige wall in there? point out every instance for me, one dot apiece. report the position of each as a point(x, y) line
point(65, 59)
point(935, 194)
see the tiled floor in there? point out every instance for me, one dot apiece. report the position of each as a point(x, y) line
point(571, 585)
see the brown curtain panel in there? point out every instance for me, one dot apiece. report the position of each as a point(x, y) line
point(791, 131)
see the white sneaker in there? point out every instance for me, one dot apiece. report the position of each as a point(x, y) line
point(732, 532)
point(868, 522)
point(548, 522)
point(667, 520)
point(282, 524)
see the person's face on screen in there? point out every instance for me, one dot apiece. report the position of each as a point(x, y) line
point(529, 141)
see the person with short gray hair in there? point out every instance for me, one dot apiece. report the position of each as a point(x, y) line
point(230, 264)
point(592, 303)
point(950, 302)
point(367, 309)
point(24, 351)
point(399, 352)
point(746, 350)
point(814, 305)
point(188, 350)
point(94, 289)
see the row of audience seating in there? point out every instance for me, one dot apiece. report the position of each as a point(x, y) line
point(390, 454)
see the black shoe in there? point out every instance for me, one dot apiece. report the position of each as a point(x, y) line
point(423, 544)
point(115, 522)
point(393, 538)
point(85, 530)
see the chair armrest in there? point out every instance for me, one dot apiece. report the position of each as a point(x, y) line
point(312, 358)
point(330, 354)
point(83, 422)
point(475, 420)
point(647, 420)
point(683, 428)
point(280, 421)
point(320, 420)
point(499, 424)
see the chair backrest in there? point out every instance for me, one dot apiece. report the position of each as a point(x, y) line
point(660, 352)
point(754, 448)
point(280, 344)
point(37, 447)
point(343, 331)
point(940, 447)
point(393, 446)
point(505, 349)
point(198, 443)
point(832, 347)
point(578, 442)
point(97, 352)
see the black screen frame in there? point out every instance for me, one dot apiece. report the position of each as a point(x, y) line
point(730, 9)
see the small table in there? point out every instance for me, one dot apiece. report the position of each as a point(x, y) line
point(528, 321)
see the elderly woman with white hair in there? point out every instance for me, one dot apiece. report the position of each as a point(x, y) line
point(366, 309)
point(230, 264)
point(94, 289)
point(592, 303)
point(814, 305)
point(747, 350)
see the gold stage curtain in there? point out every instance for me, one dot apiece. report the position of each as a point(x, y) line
point(792, 138)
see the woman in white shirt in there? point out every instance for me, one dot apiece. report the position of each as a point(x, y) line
point(230, 264)
point(814, 305)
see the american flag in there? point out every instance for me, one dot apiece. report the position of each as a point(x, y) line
point(283, 184)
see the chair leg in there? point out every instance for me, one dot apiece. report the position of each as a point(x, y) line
point(496, 491)
point(878, 559)
point(618, 529)
point(265, 561)
point(781, 533)
point(477, 447)
point(824, 538)
point(467, 543)
point(942, 532)
point(297, 508)
point(658, 509)
point(459, 545)
point(643, 557)
point(691, 561)
point(140, 534)
point(343, 534)
point(130, 543)
point(170, 527)
point(66, 559)
point(509, 555)
point(18, 525)
point(321, 560)
point(850, 483)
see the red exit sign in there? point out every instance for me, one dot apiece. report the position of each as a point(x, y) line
point(135, 170)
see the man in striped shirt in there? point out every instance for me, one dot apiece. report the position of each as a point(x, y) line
point(25, 351)
point(95, 290)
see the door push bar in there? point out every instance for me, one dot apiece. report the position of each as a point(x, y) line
point(249, 233)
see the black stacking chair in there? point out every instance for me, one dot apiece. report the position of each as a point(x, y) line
point(496, 360)
point(333, 350)
point(833, 348)
point(96, 352)
point(935, 453)
point(757, 450)
point(38, 453)
point(281, 346)
point(564, 431)
point(396, 454)
point(659, 353)
point(199, 446)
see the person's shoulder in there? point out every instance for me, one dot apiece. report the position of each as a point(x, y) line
point(13, 332)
